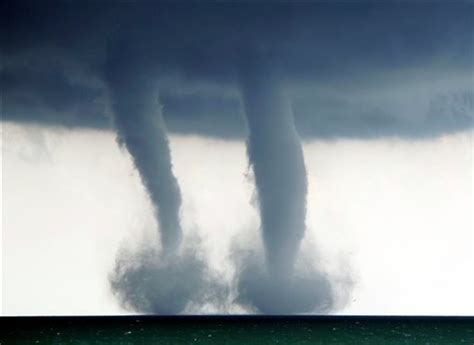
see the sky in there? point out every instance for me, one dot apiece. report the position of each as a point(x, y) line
point(397, 214)
point(213, 157)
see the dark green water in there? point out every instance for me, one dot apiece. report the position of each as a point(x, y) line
point(237, 330)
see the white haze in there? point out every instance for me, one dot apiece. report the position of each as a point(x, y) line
point(396, 215)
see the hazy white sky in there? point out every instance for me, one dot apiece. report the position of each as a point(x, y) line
point(397, 215)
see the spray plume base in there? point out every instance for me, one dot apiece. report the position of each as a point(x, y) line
point(157, 283)
point(304, 291)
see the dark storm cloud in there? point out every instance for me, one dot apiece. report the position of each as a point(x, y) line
point(204, 114)
point(341, 46)
point(52, 93)
point(426, 117)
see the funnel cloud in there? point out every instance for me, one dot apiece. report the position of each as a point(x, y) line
point(276, 156)
point(141, 129)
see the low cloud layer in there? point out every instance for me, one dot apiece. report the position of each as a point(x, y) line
point(54, 59)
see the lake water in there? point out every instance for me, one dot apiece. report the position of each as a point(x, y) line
point(237, 330)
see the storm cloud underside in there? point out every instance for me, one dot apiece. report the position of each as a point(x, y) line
point(353, 70)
